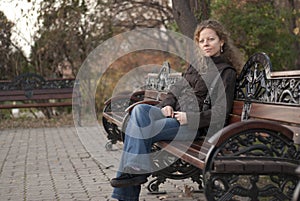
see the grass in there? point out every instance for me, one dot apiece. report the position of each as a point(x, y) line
point(32, 122)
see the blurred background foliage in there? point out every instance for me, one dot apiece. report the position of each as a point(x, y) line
point(68, 30)
point(264, 26)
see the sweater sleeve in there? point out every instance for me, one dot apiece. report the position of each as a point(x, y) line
point(221, 105)
point(174, 92)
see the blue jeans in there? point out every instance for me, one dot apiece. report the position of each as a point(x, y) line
point(146, 126)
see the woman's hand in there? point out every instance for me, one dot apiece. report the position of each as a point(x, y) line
point(167, 111)
point(181, 117)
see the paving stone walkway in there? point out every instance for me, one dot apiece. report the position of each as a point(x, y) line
point(55, 164)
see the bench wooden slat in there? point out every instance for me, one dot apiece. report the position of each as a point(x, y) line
point(235, 115)
point(192, 154)
point(151, 94)
point(189, 147)
point(162, 96)
point(234, 119)
point(36, 97)
point(281, 113)
point(35, 105)
point(172, 148)
point(37, 91)
point(136, 96)
point(155, 95)
point(253, 165)
point(146, 101)
point(237, 107)
point(114, 117)
point(281, 74)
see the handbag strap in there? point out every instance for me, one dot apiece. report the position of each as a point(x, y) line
point(207, 100)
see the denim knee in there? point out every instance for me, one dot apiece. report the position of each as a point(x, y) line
point(139, 109)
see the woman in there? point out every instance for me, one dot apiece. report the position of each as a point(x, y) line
point(180, 116)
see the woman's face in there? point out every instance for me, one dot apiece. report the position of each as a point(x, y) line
point(210, 42)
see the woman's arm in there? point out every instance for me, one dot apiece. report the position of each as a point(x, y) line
point(204, 119)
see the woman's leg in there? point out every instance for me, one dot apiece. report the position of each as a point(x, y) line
point(137, 143)
point(146, 125)
point(130, 193)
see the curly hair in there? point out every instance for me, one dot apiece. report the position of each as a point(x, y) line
point(230, 53)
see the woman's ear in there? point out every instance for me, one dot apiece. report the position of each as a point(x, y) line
point(222, 43)
point(221, 46)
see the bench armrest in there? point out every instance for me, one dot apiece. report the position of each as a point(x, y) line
point(136, 96)
point(150, 102)
point(239, 127)
point(256, 140)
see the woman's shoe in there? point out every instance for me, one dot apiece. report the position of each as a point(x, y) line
point(130, 177)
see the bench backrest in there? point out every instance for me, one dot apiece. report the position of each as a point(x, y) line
point(263, 94)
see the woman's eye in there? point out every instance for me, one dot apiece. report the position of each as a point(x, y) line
point(208, 39)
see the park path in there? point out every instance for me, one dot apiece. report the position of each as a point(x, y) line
point(53, 164)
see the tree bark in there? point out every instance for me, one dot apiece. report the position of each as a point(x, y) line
point(205, 9)
point(293, 26)
point(184, 17)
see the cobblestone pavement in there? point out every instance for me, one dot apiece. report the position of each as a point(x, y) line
point(53, 164)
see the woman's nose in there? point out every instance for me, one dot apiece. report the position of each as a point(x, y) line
point(205, 43)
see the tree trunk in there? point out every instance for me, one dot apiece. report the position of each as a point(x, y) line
point(184, 17)
point(205, 9)
point(293, 23)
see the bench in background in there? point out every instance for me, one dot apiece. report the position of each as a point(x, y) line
point(31, 90)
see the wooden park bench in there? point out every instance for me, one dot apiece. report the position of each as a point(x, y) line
point(254, 156)
point(31, 90)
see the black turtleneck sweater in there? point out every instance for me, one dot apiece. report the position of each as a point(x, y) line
point(189, 93)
